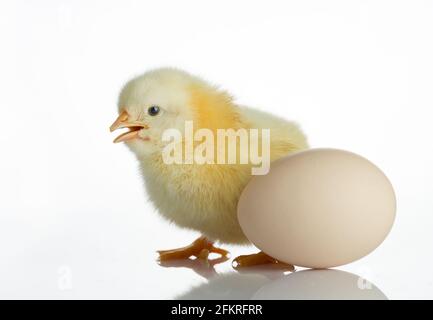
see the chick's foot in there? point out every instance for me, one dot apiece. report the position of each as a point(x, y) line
point(204, 268)
point(200, 248)
point(257, 259)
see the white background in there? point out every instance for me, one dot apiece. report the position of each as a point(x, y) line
point(74, 221)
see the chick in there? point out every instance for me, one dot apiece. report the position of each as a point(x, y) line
point(201, 197)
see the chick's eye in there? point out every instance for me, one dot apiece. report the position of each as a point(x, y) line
point(153, 110)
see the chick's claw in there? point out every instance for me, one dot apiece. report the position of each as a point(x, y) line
point(200, 248)
point(258, 259)
point(204, 268)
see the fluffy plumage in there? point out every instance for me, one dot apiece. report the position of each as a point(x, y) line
point(198, 197)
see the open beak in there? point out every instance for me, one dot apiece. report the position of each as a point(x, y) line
point(133, 126)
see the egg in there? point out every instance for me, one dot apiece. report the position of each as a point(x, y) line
point(318, 208)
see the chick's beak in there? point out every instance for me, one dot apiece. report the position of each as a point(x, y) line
point(134, 127)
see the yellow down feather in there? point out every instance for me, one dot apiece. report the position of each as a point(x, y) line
point(200, 197)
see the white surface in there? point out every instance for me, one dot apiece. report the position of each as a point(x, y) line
point(74, 223)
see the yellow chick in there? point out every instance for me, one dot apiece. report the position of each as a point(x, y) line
point(197, 196)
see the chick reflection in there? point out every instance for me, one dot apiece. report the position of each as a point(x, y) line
point(272, 284)
point(203, 267)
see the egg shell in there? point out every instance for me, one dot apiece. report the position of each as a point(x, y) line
point(318, 208)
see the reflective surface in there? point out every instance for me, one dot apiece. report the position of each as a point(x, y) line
point(263, 283)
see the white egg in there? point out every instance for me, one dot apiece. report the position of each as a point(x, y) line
point(319, 208)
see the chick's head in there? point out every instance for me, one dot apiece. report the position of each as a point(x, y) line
point(150, 104)
point(164, 99)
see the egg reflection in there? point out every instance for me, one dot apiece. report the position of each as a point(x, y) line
point(265, 284)
point(320, 285)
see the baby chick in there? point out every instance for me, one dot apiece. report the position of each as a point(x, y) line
point(201, 197)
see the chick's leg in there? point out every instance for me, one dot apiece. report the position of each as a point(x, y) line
point(200, 248)
point(257, 259)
